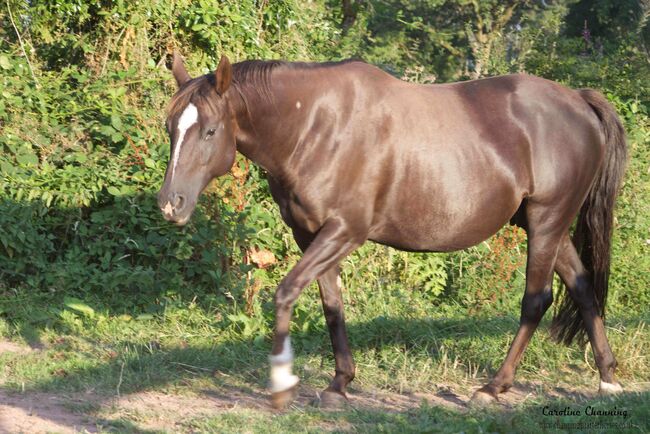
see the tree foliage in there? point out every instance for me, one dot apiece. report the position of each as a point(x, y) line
point(83, 148)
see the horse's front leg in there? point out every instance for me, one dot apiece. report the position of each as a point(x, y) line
point(332, 243)
point(330, 291)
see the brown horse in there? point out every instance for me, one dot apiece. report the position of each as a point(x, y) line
point(353, 154)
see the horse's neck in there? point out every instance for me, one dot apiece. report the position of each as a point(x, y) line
point(267, 126)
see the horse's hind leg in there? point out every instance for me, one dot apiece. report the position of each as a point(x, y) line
point(545, 230)
point(573, 274)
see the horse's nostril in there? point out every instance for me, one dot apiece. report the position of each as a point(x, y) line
point(178, 201)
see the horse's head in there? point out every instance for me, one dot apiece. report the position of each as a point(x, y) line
point(201, 129)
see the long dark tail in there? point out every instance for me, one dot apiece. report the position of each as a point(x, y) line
point(593, 232)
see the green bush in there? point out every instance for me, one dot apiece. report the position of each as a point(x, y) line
point(84, 148)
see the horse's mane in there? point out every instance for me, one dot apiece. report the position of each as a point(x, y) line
point(248, 75)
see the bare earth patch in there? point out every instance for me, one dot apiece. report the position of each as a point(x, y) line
point(41, 412)
point(33, 412)
point(12, 347)
point(38, 412)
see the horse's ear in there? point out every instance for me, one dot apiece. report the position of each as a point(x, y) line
point(223, 75)
point(179, 71)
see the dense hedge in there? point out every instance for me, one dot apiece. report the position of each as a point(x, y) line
point(83, 146)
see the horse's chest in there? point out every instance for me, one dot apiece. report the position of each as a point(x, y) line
point(295, 209)
point(303, 214)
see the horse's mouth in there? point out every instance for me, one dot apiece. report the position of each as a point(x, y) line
point(183, 221)
point(177, 220)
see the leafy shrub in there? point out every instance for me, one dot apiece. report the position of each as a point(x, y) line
point(83, 149)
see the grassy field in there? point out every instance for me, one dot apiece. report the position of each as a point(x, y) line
point(418, 362)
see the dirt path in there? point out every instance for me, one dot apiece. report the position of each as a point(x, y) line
point(39, 412)
point(45, 412)
point(32, 412)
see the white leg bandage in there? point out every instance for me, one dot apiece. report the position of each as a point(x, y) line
point(281, 365)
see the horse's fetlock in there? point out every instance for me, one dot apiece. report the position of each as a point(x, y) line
point(607, 363)
point(347, 372)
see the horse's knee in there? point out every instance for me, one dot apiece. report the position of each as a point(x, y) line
point(333, 313)
point(285, 297)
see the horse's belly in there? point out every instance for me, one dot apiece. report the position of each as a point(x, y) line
point(432, 224)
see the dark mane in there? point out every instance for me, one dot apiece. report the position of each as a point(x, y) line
point(248, 75)
point(255, 72)
point(255, 75)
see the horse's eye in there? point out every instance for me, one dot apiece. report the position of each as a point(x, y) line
point(210, 133)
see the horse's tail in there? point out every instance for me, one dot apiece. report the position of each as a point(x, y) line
point(593, 232)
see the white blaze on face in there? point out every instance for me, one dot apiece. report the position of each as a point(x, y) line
point(281, 365)
point(189, 117)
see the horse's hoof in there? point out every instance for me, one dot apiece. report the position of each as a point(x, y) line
point(609, 388)
point(281, 400)
point(331, 400)
point(482, 399)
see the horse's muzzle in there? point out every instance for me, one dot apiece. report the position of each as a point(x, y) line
point(173, 208)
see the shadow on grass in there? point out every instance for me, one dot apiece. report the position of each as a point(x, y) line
point(528, 418)
point(628, 412)
point(148, 365)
